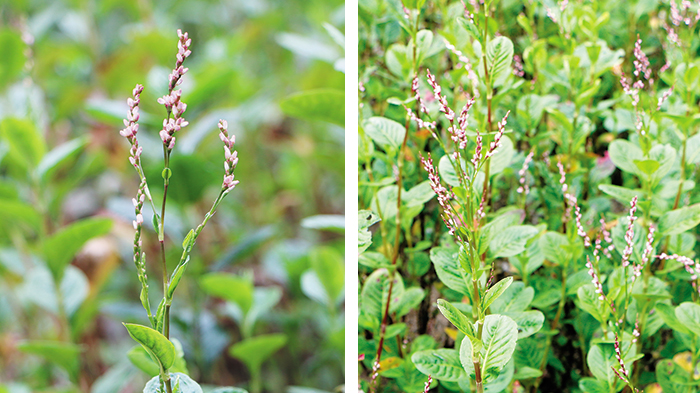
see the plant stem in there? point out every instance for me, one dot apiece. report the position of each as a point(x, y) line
point(555, 325)
point(395, 254)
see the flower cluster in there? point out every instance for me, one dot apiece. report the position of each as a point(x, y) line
point(523, 186)
point(648, 249)
point(449, 216)
point(183, 52)
point(596, 281)
point(132, 126)
point(518, 69)
point(641, 64)
point(459, 133)
point(493, 148)
point(437, 90)
point(629, 234)
point(692, 267)
point(231, 156)
point(173, 103)
point(427, 384)
point(618, 355)
point(173, 100)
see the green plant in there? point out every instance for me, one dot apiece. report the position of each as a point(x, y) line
point(534, 241)
point(155, 340)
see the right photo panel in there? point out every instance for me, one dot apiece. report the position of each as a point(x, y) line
point(528, 202)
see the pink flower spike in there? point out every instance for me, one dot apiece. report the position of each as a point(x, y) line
point(629, 235)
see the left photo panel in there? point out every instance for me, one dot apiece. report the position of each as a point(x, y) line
point(172, 196)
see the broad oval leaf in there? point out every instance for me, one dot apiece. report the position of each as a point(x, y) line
point(499, 56)
point(449, 270)
point(233, 288)
point(318, 104)
point(159, 347)
point(668, 315)
point(254, 351)
point(680, 220)
point(499, 338)
point(529, 322)
point(515, 299)
point(182, 381)
point(442, 364)
point(60, 248)
point(64, 355)
point(689, 315)
point(385, 132)
point(512, 241)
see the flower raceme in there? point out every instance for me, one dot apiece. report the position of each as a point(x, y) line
point(173, 123)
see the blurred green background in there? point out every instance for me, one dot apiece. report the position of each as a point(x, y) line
point(274, 70)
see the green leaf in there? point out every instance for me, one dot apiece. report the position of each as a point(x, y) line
point(13, 55)
point(680, 220)
point(529, 322)
point(668, 315)
point(448, 173)
point(623, 154)
point(185, 384)
point(410, 299)
point(385, 132)
point(449, 270)
point(177, 276)
point(159, 347)
point(254, 351)
point(499, 56)
point(227, 286)
point(375, 294)
point(16, 212)
point(499, 338)
point(365, 219)
point(512, 240)
point(689, 315)
point(592, 385)
point(319, 104)
point(647, 166)
point(621, 194)
point(62, 246)
point(589, 302)
point(515, 299)
point(442, 364)
point(328, 264)
point(601, 359)
point(188, 242)
point(497, 225)
point(501, 160)
point(64, 355)
point(27, 145)
point(459, 320)
point(496, 291)
point(671, 376)
point(230, 389)
point(57, 157)
point(555, 246)
point(139, 357)
point(325, 222)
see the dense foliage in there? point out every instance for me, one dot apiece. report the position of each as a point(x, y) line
point(528, 198)
point(264, 280)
